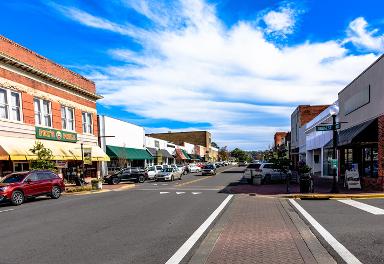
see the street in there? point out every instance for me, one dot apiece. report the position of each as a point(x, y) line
point(147, 224)
point(356, 224)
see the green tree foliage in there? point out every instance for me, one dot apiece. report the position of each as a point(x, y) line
point(279, 158)
point(241, 155)
point(44, 157)
point(223, 153)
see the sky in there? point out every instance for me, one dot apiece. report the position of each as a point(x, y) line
point(236, 68)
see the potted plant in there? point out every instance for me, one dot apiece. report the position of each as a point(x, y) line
point(97, 184)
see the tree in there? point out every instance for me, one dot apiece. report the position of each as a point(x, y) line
point(213, 144)
point(223, 153)
point(240, 155)
point(44, 159)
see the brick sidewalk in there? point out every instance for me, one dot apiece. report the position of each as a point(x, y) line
point(258, 230)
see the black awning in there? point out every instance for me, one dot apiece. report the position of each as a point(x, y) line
point(152, 151)
point(349, 136)
point(166, 154)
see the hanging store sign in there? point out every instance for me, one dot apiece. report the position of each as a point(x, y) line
point(87, 156)
point(54, 134)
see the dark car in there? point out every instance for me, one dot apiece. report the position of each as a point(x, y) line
point(208, 170)
point(17, 187)
point(127, 174)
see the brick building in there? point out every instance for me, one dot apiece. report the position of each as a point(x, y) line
point(280, 138)
point(200, 138)
point(43, 101)
point(299, 118)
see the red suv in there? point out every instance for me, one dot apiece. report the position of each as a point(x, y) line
point(16, 187)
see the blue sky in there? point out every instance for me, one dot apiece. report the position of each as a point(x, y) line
point(237, 68)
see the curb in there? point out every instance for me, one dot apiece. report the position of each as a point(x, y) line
point(131, 186)
point(334, 196)
point(125, 187)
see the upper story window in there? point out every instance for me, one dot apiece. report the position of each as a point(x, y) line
point(157, 144)
point(87, 123)
point(43, 112)
point(10, 107)
point(67, 118)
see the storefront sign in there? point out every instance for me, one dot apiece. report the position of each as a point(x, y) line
point(61, 164)
point(87, 156)
point(327, 127)
point(53, 134)
point(352, 179)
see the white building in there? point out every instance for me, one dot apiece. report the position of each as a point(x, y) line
point(124, 143)
point(159, 149)
point(318, 149)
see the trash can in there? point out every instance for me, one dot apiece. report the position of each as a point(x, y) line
point(256, 180)
point(305, 183)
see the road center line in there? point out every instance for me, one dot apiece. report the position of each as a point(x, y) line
point(186, 247)
point(344, 253)
point(362, 206)
point(7, 210)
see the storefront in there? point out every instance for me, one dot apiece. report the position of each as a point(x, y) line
point(122, 157)
point(161, 156)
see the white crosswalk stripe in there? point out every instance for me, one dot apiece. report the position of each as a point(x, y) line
point(164, 192)
point(194, 193)
point(180, 192)
point(362, 206)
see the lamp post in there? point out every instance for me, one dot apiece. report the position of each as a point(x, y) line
point(334, 111)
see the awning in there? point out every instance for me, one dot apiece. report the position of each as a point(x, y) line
point(348, 135)
point(152, 151)
point(195, 157)
point(180, 154)
point(12, 148)
point(128, 153)
point(186, 154)
point(166, 154)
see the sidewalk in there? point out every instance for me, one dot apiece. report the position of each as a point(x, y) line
point(257, 229)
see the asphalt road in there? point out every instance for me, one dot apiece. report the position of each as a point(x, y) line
point(146, 224)
point(361, 232)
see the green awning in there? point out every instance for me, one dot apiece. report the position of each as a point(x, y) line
point(186, 154)
point(128, 153)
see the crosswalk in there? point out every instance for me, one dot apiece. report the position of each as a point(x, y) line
point(181, 193)
point(363, 206)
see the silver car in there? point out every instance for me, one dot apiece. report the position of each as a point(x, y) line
point(169, 174)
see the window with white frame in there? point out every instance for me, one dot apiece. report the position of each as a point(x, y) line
point(87, 123)
point(67, 118)
point(10, 105)
point(43, 112)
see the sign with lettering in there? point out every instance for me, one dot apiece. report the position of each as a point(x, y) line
point(87, 156)
point(352, 179)
point(327, 127)
point(53, 134)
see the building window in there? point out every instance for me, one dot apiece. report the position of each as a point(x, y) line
point(10, 105)
point(87, 123)
point(43, 112)
point(316, 159)
point(157, 144)
point(67, 118)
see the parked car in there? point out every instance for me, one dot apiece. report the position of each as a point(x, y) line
point(209, 169)
point(127, 174)
point(242, 163)
point(16, 187)
point(194, 168)
point(153, 171)
point(182, 169)
point(268, 173)
point(169, 174)
point(252, 169)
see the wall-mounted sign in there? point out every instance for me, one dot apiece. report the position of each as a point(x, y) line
point(53, 134)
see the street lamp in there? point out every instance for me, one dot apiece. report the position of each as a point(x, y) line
point(334, 111)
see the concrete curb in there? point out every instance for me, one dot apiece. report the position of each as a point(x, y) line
point(127, 187)
point(334, 196)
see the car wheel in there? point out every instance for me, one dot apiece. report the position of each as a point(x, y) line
point(141, 179)
point(180, 178)
point(172, 178)
point(17, 198)
point(115, 180)
point(55, 192)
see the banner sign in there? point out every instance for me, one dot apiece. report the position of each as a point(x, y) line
point(54, 134)
point(87, 156)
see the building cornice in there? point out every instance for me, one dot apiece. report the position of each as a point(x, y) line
point(46, 76)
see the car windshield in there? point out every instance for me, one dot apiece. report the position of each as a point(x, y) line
point(13, 178)
point(167, 170)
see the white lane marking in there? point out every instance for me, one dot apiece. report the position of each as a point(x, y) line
point(165, 184)
point(196, 193)
point(344, 253)
point(163, 192)
point(155, 184)
point(7, 210)
point(186, 247)
point(362, 206)
point(180, 192)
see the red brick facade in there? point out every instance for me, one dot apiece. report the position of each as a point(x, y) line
point(42, 83)
point(309, 112)
point(279, 138)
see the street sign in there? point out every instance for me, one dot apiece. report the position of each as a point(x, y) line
point(327, 127)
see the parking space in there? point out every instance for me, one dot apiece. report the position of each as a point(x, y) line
point(356, 224)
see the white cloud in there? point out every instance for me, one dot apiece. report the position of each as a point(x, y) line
point(233, 78)
point(282, 21)
point(359, 34)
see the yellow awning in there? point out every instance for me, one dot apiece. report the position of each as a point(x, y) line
point(12, 148)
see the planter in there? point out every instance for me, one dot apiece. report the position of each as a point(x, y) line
point(97, 184)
